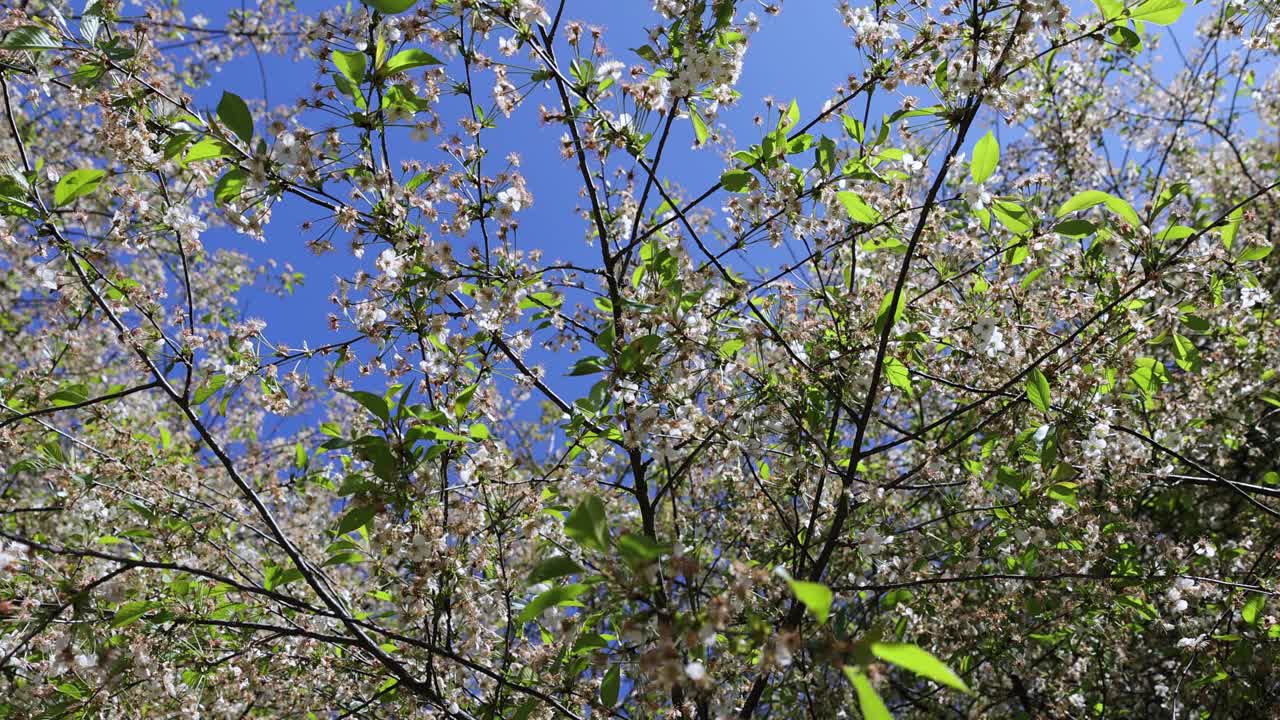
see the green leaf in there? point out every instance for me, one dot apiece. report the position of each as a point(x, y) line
point(610, 685)
point(1185, 353)
point(208, 148)
point(234, 113)
point(1012, 215)
point(897, 374)
point(1255, 253)
point(815, 596)
point(700, 130)
point(1252, 610)
point(918, 661)
point(69, 395)
point(230, 186)
point(1232, 227)
point(356, 518)
point(588, 366)
point(351, 65)
point(858, 208)
point(390, 7)
point(1090, 198)
point(1065, 492)
point(28, 37)
point(564, 594)
point(375, 404)
point(588, 525)
point(478, 432)
point(76, 184)
point(554, 567)
point(882, 316)
point(986, 155)
point(1038, 390)
point(409, 59)
point(275, 576)
point(440, 434)
point(737, 180)
point(1110, 9)
point(210, 386)
point(129, 613)
point(1158, 12)
point(640, 550)
point(1149, 376)
point(869, 701)
point(1075, 228)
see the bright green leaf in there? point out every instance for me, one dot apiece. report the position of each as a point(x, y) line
point(351, 65)
point(1158, 12)
point(566, 594)
point(230, 186)
point(869, 702)
point(409, 59)
point(391, 7)
point(588, 525)
point(897, 374)
point(1232, 227)
point(857, 208)
point(1090, 198)
point(76, 184)
point(882, 316)
point(986, 155)
point(1255, 253)
point(640, 550)
point(1252, 610)
point(210, 386)
point(918, 661)
point(1038, 390)
point(700, 131)
point(130, 613)
point(207, 149)
point(815, 596)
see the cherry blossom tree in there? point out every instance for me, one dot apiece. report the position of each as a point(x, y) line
point(956, 395)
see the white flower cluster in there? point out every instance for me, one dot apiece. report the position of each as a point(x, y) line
point(709, 67)
point(390, 264)
point(185, 223)
point(1251, 296)
point(867, 30)
point(1182, 587)
point(990, 338)
point(670, 9)
point(1095, 445)
point(369, 315)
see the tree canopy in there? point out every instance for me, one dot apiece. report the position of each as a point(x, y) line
point(951, 394)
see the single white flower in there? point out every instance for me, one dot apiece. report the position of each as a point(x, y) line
point(911, 165)
point(531, 12)
point(511, 199)
point(390, 263)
